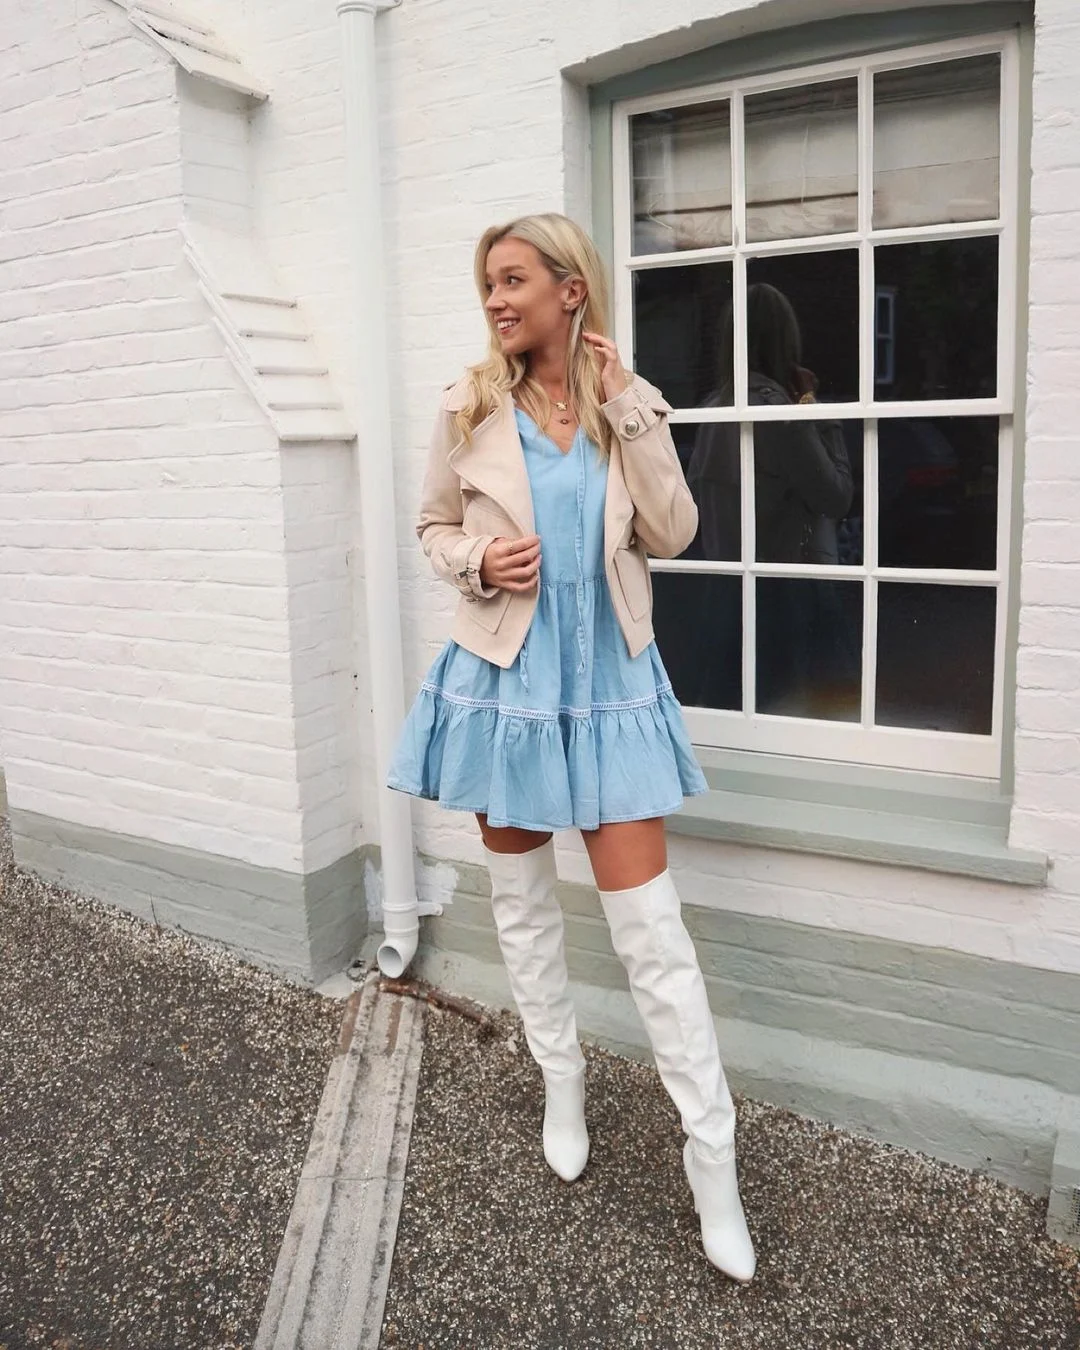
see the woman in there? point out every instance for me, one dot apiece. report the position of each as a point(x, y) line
point(551, 472)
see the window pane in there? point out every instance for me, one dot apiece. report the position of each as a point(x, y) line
point(698, 625)
point(680, 317)
point(809, 646)
point(936, 143)
point(714, 474)
point(808, 492)
point(935, 665)
point(681, 163)
point(937, 488)
point(937, 337)
point(802, 161)
point(802, 319)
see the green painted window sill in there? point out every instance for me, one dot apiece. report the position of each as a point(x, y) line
point(932, 821)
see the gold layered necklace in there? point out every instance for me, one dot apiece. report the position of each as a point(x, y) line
point(564, 409)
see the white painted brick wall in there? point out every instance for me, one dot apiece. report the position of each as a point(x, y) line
point(146, 659)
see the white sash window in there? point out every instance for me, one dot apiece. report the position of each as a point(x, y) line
point(849, 231)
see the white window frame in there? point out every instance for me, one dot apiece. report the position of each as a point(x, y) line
point(861, 742)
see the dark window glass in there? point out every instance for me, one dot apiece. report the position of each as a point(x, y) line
point(680, 315)
point(937, 489)
point(698, 624)
point(709, 454)
point(943, 337)
point(802, 319)
point(808, 491)
point(809, 646)
point(935, 658)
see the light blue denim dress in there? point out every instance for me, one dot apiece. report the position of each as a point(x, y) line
point(575, 733)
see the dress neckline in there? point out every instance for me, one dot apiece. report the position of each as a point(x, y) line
point(545, 437)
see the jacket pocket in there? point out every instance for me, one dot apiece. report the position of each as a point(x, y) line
point(488, 613)
point(633, 573)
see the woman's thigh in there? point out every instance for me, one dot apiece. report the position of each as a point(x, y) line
point(509, 839)
point(627, 853)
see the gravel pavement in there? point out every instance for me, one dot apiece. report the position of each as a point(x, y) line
point(860, 1245)
point(156, 1100)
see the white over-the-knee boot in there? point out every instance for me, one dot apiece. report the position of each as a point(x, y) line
point(651, 940)
point(529, 922)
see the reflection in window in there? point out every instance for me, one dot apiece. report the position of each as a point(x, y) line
point(681, 165)
point(945, 318)
point(935, 667)
point(698, 625)
point(802, 161)
point(679, 315)
point(936, 143)
point(807, 338)
point(884, 335)
point(937, 492)
point(808, 492)
point(714, 474)
point(809, 648)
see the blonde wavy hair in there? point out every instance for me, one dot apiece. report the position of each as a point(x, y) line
point(566, 251)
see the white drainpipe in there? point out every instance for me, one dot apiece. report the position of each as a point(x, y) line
point(375, 468)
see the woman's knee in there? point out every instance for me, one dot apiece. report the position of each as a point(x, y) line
point(508, 838)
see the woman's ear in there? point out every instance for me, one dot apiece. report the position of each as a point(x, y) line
point(575, 294)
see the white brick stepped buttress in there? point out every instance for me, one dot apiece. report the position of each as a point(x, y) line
point(266, 335)
point(192, 45)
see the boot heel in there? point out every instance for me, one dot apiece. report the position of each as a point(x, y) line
point(724, 1234)
point(566, 1138)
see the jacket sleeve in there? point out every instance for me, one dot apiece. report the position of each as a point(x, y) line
point(665, 515)
point(455, 555)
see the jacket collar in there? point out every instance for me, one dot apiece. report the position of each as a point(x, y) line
point(492, 462)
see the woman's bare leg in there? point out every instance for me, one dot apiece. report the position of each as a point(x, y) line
point(627, 853)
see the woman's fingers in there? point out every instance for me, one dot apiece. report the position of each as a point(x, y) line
point(512, 564)
point(522, 545)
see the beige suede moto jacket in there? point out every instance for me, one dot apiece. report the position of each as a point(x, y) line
point(477, 491)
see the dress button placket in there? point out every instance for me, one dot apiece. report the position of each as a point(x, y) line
point(579, 547)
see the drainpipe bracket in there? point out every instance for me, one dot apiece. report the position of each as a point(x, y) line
point(366, 6)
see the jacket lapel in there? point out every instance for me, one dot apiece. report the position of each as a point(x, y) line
point(492, 463)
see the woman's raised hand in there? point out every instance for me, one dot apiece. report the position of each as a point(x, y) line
point(512, 564)
point(612, 375)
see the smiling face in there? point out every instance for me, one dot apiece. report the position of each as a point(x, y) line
point(525, 303)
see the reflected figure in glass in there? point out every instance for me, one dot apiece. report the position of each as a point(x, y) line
point(803, 488)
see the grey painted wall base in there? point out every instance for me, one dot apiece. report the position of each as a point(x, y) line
point(306, 927)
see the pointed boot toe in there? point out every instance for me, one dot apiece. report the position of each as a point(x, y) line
point(566, 1139)
point(724, 1234)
